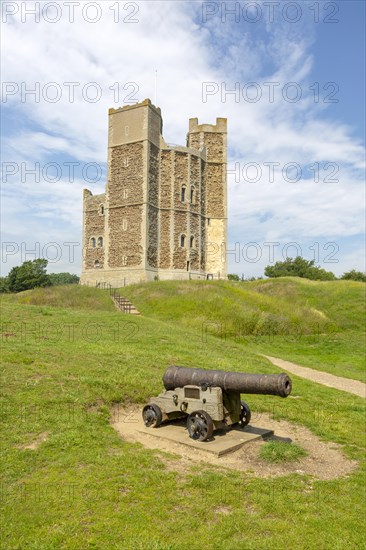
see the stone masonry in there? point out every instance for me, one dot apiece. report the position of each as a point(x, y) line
point(164, 212)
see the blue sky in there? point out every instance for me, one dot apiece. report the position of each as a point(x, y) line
point(296, 160)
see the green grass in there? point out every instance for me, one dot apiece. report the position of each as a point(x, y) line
point(279, 451)
point(84, 487)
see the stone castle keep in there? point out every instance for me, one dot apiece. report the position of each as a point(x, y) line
point(164, 212)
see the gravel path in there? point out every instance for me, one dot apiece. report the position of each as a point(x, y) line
point(338, 382)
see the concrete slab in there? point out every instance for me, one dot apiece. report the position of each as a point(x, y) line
point(223, 441)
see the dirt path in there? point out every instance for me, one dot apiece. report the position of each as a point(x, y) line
point(338, 382)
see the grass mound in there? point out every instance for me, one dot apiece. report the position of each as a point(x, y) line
point(67, 296)
point(276, 306)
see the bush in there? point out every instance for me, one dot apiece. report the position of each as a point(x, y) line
point(4, 284)
point(29, 275)
point(57, 279)
point(354, 275)
point(299, 267)
point(233, 277)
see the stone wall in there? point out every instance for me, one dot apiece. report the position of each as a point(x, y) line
point(152, 207)
point(180, 179)
point(94, 228)
point(165, 186)
point(214, 191)
point(180, 253)
point(125, 184)
point(125, 236)
point(152, 250)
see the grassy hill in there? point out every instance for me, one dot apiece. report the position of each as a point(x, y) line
point(68, 355)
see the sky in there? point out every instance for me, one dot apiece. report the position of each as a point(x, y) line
point(288, 76)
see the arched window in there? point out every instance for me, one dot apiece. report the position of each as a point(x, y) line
point(192, 195)
point(101, 209)
point(93, 242)
point(182, 241)
point(183, 193)
point(191, 241)
point(96, 263)
point(100, 242)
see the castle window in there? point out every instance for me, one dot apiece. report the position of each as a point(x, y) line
point(183, 194)
point(192, 195)
point(125, 162)
point(191, 241)
point(208, 221)
point(124, 260)
point(96, 263)
point(182, 241)
point(93, 242)
point(124, 225)
point(101, 209)
point(125, 193)
point(100, 242)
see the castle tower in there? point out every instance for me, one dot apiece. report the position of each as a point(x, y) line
point(132, 190)
point(164, 211)
point(214, 139)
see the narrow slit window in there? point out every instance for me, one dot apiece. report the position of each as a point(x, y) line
point(183, 194)
point(182, 241)
point(192, 241)
point(192, 195)
point(93, 242)
point(100, 242)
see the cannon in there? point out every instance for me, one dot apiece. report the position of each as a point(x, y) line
point(210, 399)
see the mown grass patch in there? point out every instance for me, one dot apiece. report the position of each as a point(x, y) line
point(281, 451)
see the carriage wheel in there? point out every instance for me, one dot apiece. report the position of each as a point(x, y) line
point(152, 416)
point(200, 426)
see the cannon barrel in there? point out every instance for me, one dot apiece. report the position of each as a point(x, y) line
point(266, 384)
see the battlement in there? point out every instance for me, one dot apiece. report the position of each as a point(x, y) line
point(144, 103)
point(219, 127)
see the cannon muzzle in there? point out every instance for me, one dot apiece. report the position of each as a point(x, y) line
point(266, 384)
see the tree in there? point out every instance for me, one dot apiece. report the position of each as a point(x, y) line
point(63, 279)
point(29, 275)
point(354, 275)
point(299, 267)
point(233, 277)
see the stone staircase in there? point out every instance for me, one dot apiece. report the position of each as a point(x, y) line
point(121, 303)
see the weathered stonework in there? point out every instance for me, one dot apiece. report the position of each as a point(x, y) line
point(164, 212)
